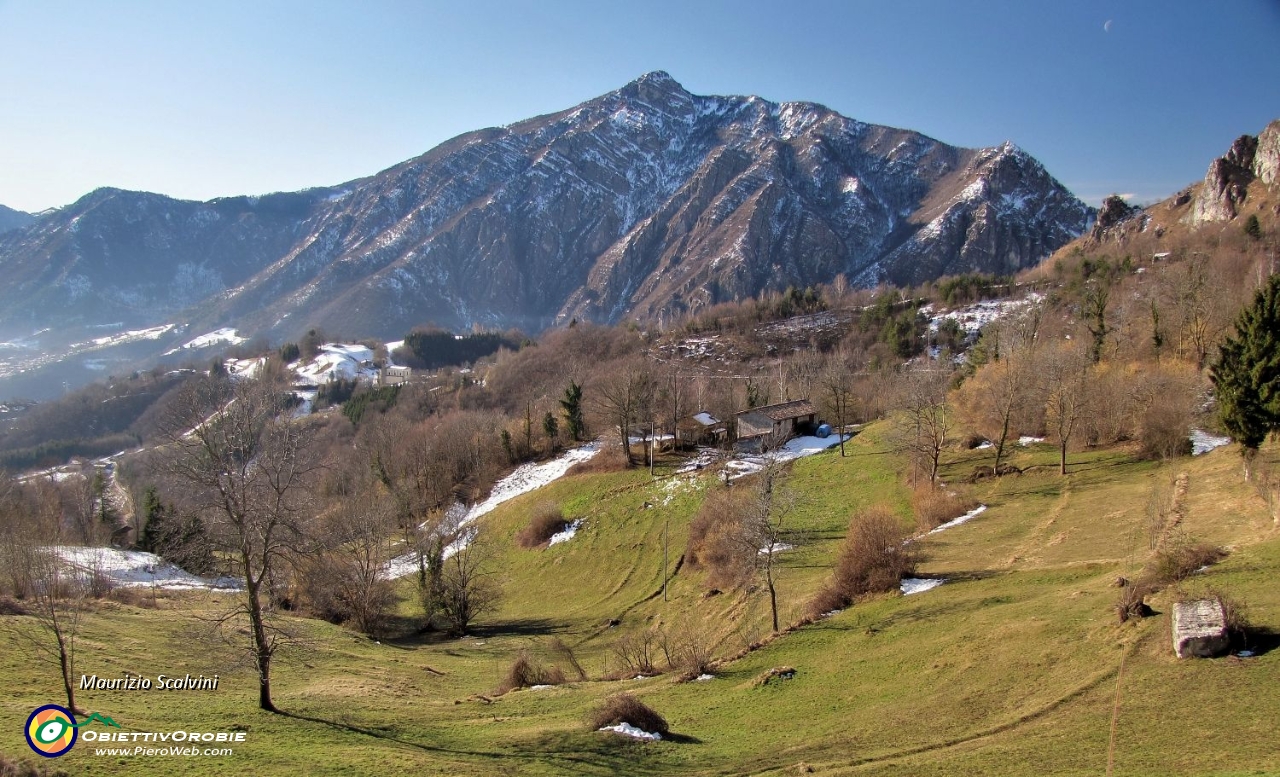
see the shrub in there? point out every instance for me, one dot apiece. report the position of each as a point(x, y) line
point(687, 647)
point(526, 672)
point(625, 708)
point(872, 560)
point(546, 520)
point(935, 506)
point(1164, 432)
point(715, 543)
point(1180, 557)
point(564, 651)
point(1132, 603)
point(635, 652)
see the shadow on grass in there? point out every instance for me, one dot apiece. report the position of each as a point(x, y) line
point(525, 627)
point(1261, 640)
point(567, 754)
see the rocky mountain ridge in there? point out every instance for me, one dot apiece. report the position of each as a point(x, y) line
point(12, 219)
point(645, 202)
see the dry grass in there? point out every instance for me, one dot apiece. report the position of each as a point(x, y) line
point(610, 459)
point(547, 519)
point(935, 506)
point(625, 708)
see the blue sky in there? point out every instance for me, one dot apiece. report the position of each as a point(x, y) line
point(199, 100)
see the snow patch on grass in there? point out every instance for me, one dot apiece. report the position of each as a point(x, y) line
point(565, 534)
point(975, 512)
point(626, 729)
point(133, 568)
point(917, 585)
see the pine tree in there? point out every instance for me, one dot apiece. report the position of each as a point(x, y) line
point(572, 406)
point(1246, 375)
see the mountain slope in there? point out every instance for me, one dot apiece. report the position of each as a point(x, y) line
point(647, 201)
point(11, 219)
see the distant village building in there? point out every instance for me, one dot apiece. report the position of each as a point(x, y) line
point(393, 376)
point(701, 429)
point(758, 426)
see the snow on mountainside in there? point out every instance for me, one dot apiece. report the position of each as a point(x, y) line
point(645, 202)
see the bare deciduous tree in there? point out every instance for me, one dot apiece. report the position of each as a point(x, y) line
point(250, 469)
point(1066, 381)
point(469, 585)
point(923, 427)
point(838, 391)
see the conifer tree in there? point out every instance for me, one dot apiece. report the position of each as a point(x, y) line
point(1246, 375)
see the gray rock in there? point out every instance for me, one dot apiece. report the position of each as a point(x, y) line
point(1226, 183)
point(1266, 160)
point(1200, 629)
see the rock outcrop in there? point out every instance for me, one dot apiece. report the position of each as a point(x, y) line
point(1226, 184)
point(1114, 211)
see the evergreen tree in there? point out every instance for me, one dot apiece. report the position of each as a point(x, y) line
point(1246, 375)
point(572, 406)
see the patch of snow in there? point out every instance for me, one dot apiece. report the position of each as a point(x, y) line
point(525, 478)
point(626, 729)
point(1203, 442)
point(225, 335)
point(781, 547)
point(702, 678)
point(1245, 654)
point(1027, 440)
point(131, 568)
point(706, 419)
point(799, 447)
point(984, 445)
point(540, 687)
point(337, 361)
point(974, 513)
point(917, 585)
point(565, 534)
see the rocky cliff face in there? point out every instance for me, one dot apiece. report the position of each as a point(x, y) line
point(647, 202)
point(1226, 184)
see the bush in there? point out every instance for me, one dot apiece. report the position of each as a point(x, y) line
point(1165, 432)
point(547, 519)
point(526, 672)
point(635, 652)
point(872, 560)
point(625, 708)
point(1180, 557)
point(1132, 603)
point(714, 540)
point(934, 506)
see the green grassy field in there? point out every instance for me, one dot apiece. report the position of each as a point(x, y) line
point(1008, 668)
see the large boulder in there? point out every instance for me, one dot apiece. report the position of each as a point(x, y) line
point(1200, 629)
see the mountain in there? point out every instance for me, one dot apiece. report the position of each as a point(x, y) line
point(1242, 184)
point(645, 202)
point(12, 219)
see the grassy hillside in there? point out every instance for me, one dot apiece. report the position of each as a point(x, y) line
point(1010, 667)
